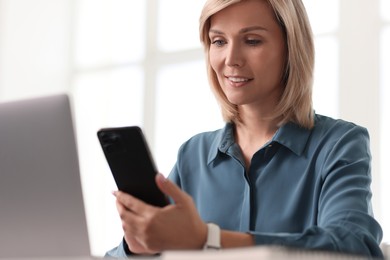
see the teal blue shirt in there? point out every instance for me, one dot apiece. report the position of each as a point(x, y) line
point(305, 188)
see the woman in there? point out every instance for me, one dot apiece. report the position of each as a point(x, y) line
point(277, 173)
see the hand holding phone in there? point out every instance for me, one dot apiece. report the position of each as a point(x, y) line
point(131, 163)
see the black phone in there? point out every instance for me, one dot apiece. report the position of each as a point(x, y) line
point(131, 163)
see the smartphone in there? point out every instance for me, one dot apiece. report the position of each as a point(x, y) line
point(131, 163)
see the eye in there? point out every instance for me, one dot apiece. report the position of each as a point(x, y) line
point(253, 42)
point(218, 43)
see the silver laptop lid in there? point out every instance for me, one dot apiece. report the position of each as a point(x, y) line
point(41, 204)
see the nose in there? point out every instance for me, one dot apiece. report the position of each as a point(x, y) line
point(234, 56)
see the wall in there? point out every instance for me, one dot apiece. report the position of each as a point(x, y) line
point(35, 47)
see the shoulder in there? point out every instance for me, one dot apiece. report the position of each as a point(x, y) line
point(195, 153)
point(202, 147)
point(209, 139)
point(340, 138)
point(327, 126)
point(326, 133)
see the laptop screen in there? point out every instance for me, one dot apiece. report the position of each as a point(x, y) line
point(41, 203)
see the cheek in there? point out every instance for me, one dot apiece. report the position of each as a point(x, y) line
point(213, 65)
point(215, 61)
point(271, 65)
point(279, 59)
point(279, 68)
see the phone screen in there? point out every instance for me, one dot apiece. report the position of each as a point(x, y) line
point(131, 163)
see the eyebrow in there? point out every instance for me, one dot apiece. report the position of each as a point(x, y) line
point(243, 30)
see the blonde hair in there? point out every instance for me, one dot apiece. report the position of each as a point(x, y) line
point(295, 104)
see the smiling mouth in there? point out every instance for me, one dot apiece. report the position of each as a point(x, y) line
point(238, 79)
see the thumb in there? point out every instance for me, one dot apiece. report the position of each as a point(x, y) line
point(170, 189)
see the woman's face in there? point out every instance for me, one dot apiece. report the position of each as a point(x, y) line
point(248, 53)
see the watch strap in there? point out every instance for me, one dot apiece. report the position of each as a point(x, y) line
point(213, 241)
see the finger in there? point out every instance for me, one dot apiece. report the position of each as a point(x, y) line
point(128, 218)
point(131, 203)
point(131, 222)
point(125, 214)
point(170, 189)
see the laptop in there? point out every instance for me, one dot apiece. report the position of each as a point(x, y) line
point(41, 203)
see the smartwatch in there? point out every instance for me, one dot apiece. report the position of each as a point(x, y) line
point(213, 241)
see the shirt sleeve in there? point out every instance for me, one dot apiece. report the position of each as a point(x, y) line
point(119, 251)
point(344, 218)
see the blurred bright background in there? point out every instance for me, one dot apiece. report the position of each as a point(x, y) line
point(140, 63)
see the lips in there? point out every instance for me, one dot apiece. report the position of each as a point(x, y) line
point(238, 79)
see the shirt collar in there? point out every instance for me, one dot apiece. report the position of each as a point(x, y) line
point(222, 142)
point(289, 135)
point(293, 137)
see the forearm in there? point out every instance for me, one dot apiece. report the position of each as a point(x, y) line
point(231, 239)
point(345, 238)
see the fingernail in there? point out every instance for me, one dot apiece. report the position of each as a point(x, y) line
point(161, 177)
point(114, 192)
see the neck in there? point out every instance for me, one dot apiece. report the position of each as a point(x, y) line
point(253, 132)
point(258, 132)
point(256, 124)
